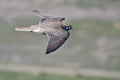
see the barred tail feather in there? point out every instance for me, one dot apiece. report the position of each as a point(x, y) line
point(27, 29)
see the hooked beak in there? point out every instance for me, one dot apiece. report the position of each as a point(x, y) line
point(71, 27)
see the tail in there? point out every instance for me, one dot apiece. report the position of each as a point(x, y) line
point(26, 29)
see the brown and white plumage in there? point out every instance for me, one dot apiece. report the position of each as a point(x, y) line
point(53, 27)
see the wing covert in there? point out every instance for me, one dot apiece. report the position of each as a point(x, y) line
point(55, 41)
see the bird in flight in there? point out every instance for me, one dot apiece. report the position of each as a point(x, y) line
point(56, 30)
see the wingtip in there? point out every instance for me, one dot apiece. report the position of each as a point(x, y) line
point(35, 11)
point(47, 52)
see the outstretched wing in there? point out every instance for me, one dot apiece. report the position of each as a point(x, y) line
point(55, 41)
point(46, 17)
point(36, 12)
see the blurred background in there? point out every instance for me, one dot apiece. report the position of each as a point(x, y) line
point(91, 53)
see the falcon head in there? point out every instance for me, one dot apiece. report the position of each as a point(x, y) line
point(67, 27)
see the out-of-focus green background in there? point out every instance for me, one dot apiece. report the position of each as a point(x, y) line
point(91, 53)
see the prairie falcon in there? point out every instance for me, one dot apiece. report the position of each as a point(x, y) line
point(54, 27)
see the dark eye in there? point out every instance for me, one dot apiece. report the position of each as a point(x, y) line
point(67, 27)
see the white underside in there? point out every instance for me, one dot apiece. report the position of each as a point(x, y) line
point(39, 30)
